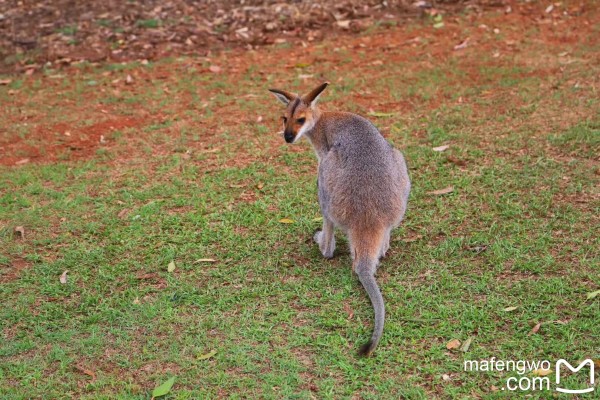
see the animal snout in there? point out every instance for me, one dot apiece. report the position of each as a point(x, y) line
point(288, 136)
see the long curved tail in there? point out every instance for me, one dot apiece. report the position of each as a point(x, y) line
point(365, 269)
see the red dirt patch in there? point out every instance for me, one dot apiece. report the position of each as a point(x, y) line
point(62, 141)
point(496, 40)
point(13, 270)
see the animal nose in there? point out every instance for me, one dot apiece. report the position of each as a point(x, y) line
point(289, 137)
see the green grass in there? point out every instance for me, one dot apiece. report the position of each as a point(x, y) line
point(68, 30)
point(519, 230)
point(149, 23)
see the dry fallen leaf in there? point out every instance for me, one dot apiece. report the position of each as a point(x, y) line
point(171, 266)
point(63, 277)
point(593, 294)
point(412, 238)
point(541, 372)
point(440, 192)
point(136, 300)
point(478, 248)
point(86, 371)
point(123, 213)
point(128, 79)
point(379, 114)
point(445, 377)
point(344, 24)
point(509, 309)
point(149, 275)
point(5, 81)
point(348, 310)
point(441, 148)
point(22, 161)
point(20, 232)
point(453, 344)
point(207, 355)
point(214, 69)
point(462, 44)
point(465, 347)
point(456, 161)
point(286, 221)
point(535, 329)
point(494, 388)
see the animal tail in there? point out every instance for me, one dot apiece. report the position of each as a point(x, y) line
point(367, 279)
point(365, 266)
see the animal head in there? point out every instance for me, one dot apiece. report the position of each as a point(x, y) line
point(300, 112)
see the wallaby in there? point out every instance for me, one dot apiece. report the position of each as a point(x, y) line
point(363, 186)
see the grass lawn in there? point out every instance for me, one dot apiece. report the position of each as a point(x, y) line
point(183, 164)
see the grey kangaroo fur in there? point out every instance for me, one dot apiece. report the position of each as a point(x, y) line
point(363, 187)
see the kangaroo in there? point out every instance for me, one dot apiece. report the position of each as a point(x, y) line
point(363, 187)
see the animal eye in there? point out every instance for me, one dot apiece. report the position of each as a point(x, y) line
point(284, 120)
point(301, 120)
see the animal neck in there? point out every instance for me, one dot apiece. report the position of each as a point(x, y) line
point(318, 134)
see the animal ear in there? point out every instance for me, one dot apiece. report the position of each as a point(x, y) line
point(283, 96)
point(312, 97)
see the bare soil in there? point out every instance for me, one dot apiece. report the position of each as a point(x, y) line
point(74, 140)
point(45, 32)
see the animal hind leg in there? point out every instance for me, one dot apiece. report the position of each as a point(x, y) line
point(326, 239)
point(385, 244)
point(367, 244)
